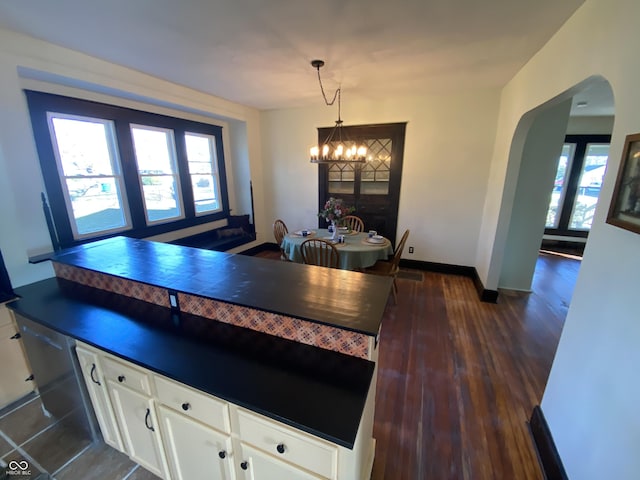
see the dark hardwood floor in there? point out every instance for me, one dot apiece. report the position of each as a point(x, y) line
point(458, 378)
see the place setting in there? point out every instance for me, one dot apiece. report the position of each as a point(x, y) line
point(374, 239)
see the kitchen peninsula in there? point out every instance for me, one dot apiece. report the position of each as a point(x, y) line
point(289, 350)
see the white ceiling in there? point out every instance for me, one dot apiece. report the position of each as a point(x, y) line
point(258, 52)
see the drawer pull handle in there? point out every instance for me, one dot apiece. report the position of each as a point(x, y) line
point(93, 370)
point(146, 421)
point(222, 454)
point(16, 336)
point(280, 448)
point(186, 406)
point(29, 378)
point(121, 378)
point(244, 465)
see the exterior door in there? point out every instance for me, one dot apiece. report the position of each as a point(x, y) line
point(373, 188)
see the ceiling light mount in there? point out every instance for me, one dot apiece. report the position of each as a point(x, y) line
point(337, 148)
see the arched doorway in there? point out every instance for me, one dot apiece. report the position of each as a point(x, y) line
point(537, 145)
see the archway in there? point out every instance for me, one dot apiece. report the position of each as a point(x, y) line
point(533, 160)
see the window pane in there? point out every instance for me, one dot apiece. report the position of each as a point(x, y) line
point(375, 173)
point(82, 146)
point(203, 168)
point(156, 158)
point(96, 204)
point(588, 192)
point(91, 174)
point(560, 185)
point(341, 178)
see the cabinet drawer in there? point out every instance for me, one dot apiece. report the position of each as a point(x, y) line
point(126, 374)
point(200, 406)
point(288, 444)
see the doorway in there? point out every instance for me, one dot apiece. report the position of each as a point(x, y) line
point(538, 143)
point(373, 187)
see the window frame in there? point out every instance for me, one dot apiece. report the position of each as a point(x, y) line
point(116, 166)
point(215, 172)
point(567, 201)
point(40, 103)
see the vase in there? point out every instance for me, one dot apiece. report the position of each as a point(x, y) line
point(334, 230)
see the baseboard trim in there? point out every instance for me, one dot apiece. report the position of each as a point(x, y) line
point(548, 456)
point(487, 296)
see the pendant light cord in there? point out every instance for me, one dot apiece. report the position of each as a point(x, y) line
point(335, 95)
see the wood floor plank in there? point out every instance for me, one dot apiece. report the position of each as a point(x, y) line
point(458, 378)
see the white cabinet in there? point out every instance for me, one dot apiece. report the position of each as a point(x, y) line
point(195, 451)
point(137, 421)
point(14, 369)
point(180, 433)
point(97, 387)
point(257, 465)
point(130, 390)
point(196, 431)
point(274, 446)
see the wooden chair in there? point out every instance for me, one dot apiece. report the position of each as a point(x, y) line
point(317, 251)
point(279, 231)
point(353, 223)
point(390, 268)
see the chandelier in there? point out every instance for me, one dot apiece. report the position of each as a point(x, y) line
point(337, 148)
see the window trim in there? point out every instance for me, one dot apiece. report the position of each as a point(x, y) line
point(40, 103)
point(173, 159)
point(117, 168)
point(573, 179)
point(215, 171)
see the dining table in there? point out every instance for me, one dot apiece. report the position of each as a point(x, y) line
point(356, 252)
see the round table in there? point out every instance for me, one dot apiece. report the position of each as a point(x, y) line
point(355, 253)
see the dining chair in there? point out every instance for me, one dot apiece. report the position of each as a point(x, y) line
point(279, 231)
point(353, 223)
point(390, 268)
point(317, 251)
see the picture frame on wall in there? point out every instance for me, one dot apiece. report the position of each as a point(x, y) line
point(624, 211)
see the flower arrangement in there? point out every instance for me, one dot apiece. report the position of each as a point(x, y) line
point(334, 210)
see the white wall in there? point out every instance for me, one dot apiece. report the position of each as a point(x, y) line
point(448, 146)
point(596, 125)
point(536, 173)
point(27, 62)
point(591, 395)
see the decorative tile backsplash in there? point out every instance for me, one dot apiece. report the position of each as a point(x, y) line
point(323, 336)
point(122, 286)
point(302, 331)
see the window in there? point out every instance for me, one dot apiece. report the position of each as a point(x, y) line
point(201, 155)
point(579, 175)
point(109, 169)
point(91, 175)
point(155, 153)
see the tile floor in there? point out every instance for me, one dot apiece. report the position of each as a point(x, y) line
point(54, 451)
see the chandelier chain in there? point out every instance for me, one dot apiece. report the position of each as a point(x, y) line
point(337, 94)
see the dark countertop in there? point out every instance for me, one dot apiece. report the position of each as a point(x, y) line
point(341, 298)
point(315, 390)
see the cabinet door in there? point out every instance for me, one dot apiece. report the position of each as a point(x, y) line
point(97, 387)
point(14, 370)
point(195, 451)
point(257, 465)
point(137, 421)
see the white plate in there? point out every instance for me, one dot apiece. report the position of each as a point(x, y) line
point(375, 241)
point(309, 233)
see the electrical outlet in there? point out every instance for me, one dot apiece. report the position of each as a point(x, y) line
point(173, 300)
point(410, 249)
